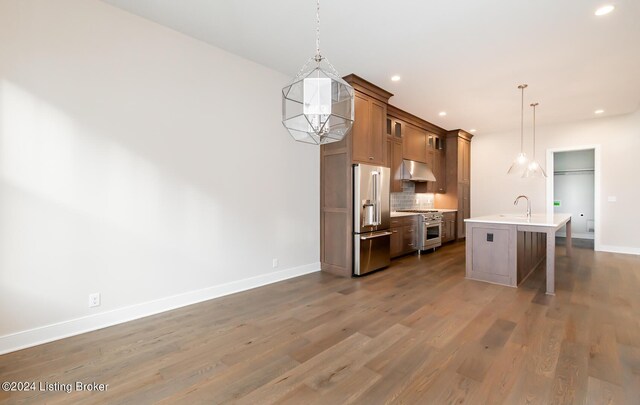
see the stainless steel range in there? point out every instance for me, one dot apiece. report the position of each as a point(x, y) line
point(429, 229)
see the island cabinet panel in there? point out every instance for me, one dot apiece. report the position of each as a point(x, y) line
point(491, 253)
point(502, 254)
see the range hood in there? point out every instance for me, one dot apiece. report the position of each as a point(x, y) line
point(416, 171)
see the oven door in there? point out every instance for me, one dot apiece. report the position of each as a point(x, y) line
point(432, 235)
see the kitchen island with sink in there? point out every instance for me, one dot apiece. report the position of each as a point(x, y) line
point(505, 249)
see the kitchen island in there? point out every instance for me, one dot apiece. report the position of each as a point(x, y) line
point(505, 249)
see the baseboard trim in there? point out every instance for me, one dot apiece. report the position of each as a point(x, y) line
point(48, 333)
point(619, 249)
point(576, 235)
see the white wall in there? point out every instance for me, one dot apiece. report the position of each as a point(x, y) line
point(141, 164)
point(493, 191)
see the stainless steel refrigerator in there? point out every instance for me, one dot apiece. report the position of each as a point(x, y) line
point(371, 218)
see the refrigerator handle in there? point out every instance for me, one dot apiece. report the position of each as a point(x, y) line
point(376, 191)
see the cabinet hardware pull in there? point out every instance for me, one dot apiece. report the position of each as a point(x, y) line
point(370, 157)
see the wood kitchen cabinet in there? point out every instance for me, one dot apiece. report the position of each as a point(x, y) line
point(421, 141)
point(396, 166)
point(395, 129)
point(365, 143)
point(397, 241)
point(464, 160)
point(404, 235)
point(369, 139)
point(458, 178)
point(448, 227)
point(414, 144)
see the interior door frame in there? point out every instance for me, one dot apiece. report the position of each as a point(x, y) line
point(596, 186)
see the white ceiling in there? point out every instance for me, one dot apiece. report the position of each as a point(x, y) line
point(465, 57)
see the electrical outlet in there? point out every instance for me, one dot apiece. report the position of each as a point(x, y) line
point(94, 300)
point(275, 263)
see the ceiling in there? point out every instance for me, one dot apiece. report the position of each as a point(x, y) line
point(465, 57)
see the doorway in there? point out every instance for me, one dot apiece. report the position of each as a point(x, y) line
point(573, 184)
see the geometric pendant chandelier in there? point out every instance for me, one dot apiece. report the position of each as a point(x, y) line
point(317, 106)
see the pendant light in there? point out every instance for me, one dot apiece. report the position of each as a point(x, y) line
point(317, 106)
point(533, 168)
point(521, 162)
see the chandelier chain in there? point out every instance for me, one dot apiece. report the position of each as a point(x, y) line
point(318, 57)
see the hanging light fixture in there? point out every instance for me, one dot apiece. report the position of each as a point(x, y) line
point(521, 162)
point(533, 168)
point(317, 106)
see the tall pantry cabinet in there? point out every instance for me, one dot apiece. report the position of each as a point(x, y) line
point(458, 178)
point(365, 143)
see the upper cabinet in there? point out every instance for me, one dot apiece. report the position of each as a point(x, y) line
point(368, 135)
point(464, 160)
point(414, 144)
point(369, 139)
point(395, 129)
point(420, 141)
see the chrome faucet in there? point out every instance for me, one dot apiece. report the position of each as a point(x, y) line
point(528, 204)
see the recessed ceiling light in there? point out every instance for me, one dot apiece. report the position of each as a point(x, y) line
point(395, 78)
point(604, 10)
point(598, 111)
point(442, 113)
point(472, 130)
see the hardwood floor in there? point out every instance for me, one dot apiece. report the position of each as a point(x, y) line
point(415, 333)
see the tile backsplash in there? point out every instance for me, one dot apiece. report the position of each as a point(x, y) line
point(408, 199)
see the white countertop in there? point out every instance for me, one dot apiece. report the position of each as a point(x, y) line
point(544, 220)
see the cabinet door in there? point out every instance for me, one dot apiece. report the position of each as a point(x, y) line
point(398, 130)
point(409, 238)
point(464, 207)
point(396, 167)
point(369, 139)
point(431, 157)
point(442, 167)
point(396, 242)
point(452, 229)
point(466, 161)
point(377, 137)
point(445, 232)
point(388, 161)
point(361, 128)
point(414, 145)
